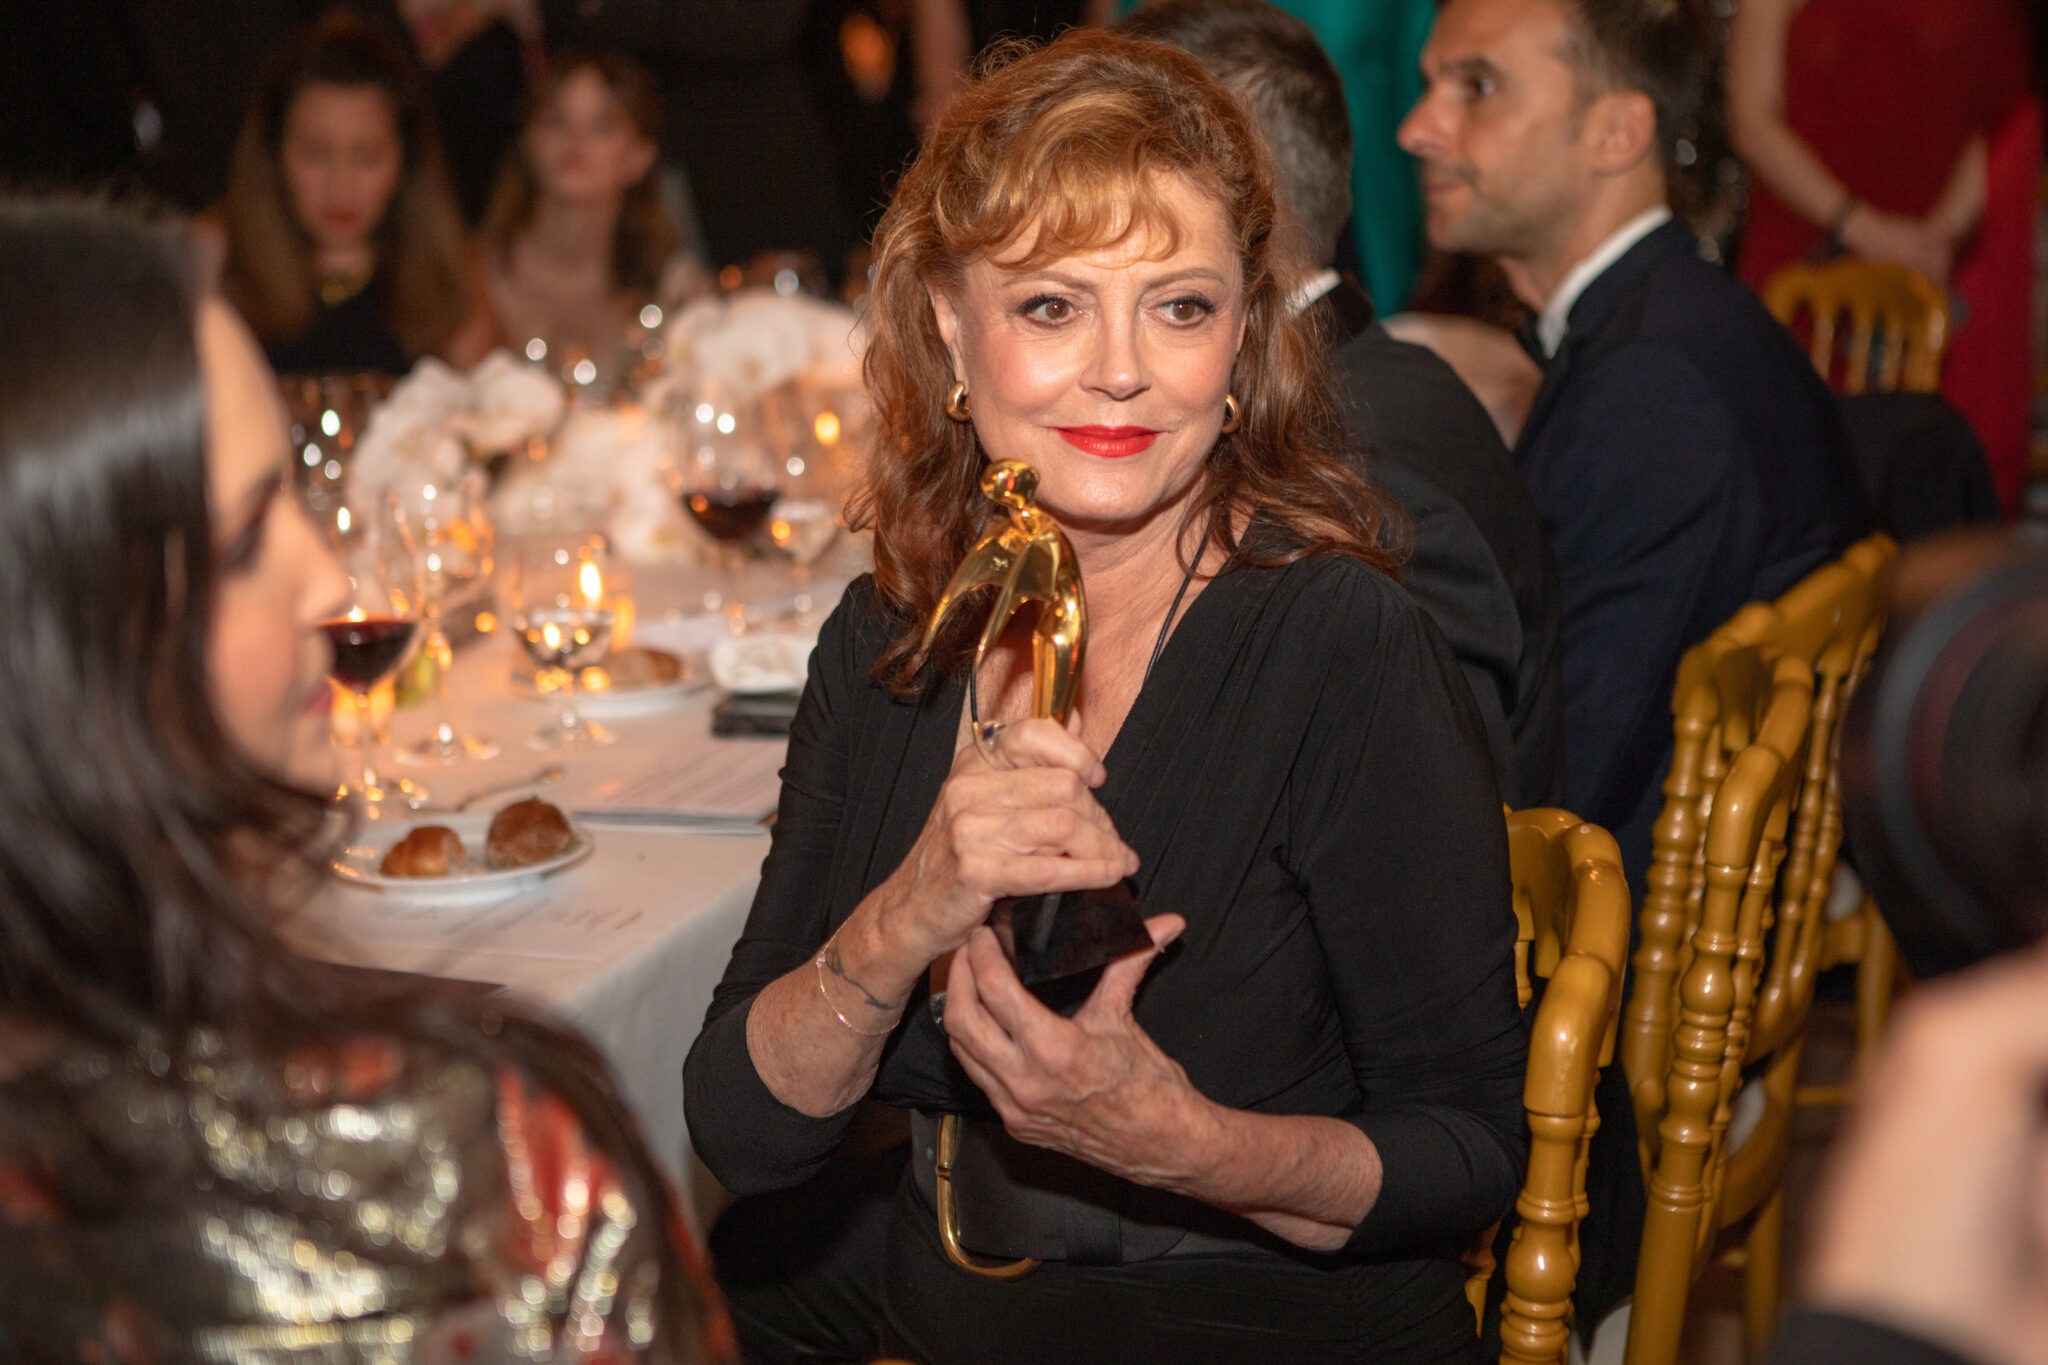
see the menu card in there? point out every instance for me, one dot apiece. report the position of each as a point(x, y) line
point(705, 784)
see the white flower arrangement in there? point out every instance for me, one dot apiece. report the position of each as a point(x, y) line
point(436, 419)
point(605, 467)
point(609, 467)
point(748, 343)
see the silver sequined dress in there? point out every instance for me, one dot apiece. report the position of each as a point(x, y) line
point(377, 1203)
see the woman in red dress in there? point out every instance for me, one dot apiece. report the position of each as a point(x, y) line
point(1903, 130)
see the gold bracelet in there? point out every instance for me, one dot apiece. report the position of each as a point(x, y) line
point(819, 963)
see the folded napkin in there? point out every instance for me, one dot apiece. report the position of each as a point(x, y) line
point(755, 664)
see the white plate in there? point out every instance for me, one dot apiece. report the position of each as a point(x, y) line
point(357, 864)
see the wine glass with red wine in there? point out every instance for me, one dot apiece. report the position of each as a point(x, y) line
point(376, 634)
point(725, 478)
point(560, 616)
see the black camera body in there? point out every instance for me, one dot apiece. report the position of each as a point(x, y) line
point(1945, 752)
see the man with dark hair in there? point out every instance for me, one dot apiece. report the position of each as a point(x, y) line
point(1684, 455)
point(1479, 564)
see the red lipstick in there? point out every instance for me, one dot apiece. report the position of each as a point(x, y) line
point(1112, 443)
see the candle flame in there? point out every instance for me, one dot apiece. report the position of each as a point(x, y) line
point(826, 428)
point(592, 583)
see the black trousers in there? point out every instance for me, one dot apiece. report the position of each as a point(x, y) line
point(801, 1268)
point(848, 1267)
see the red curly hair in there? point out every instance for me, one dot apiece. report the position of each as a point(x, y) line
point(1076, 140)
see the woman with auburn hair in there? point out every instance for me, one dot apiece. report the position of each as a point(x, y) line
point(212, 1148)
point(345, 249)
point(578, 235)
point(1267, 1137)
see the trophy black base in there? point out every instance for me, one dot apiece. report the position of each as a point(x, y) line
point(1054, 938)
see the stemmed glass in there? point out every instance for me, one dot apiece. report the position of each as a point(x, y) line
point(375, 635)
point(328, 412)
point(555, 595)
point(726, 481)
point(452, 540)
point(808, 436)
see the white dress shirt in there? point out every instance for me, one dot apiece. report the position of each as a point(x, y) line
point(1311, 289)
point(1551, 322)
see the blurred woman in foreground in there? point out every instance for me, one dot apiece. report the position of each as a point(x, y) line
point(345, 249)
point(210, 1147)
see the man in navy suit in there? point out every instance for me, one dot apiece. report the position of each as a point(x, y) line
point(1683, 454)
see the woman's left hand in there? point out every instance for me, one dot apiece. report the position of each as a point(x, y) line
point(1095, 1086)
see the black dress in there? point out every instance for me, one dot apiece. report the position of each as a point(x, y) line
point(348, 336)
point(1304, 778)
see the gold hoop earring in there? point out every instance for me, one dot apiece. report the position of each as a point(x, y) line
point(957, 406)
point(1233, 414)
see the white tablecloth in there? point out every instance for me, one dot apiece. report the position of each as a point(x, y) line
point(625, 945)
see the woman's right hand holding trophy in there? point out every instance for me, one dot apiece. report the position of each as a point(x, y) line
point(1017, 816)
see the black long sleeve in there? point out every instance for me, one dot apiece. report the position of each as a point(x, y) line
point(1304, 778)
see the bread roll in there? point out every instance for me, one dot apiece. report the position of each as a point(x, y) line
point(429, 851)
point(526, 832)
point(634, 667)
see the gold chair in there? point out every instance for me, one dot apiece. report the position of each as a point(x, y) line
point(1766, 697)
point(1736, 705)
point(1721, 687)
point(1834, 619)
point(1572, 906)
point(1889, 305)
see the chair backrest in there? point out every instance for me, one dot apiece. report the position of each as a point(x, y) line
point(1831, 620)
point(1744, 844)
point(1746, 854)
point(1887, 306)
point(1572, 899)
point(1718, 703)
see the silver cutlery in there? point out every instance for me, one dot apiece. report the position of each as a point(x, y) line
point(551, 773)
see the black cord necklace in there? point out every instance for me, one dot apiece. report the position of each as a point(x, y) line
point(1158, 645)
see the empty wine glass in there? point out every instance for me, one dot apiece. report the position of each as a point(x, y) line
point(375, 636)
point(452, 541)
point(726, 481)
point(803, 529)
point(555, 594)
point(805, 523)
point(328, 412)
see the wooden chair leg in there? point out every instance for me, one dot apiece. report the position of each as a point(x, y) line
point(1874, 976)
point(1877, 970)
point(1760, 1275)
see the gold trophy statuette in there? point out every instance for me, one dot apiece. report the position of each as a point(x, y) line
point(1026, 558)
point(1054, 938)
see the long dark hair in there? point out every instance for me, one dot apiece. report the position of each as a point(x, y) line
point(425, 286)
point(646, 235)
point(130, 822)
